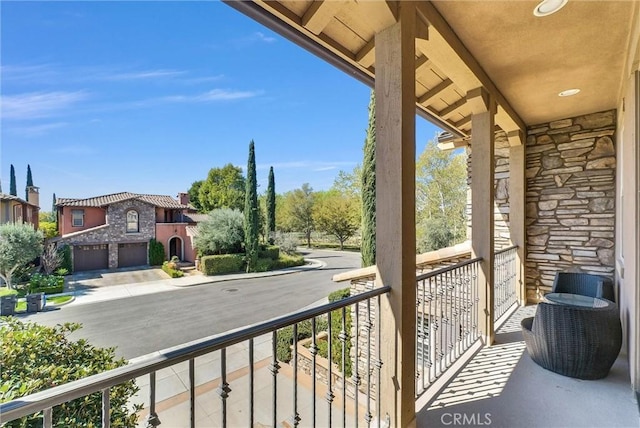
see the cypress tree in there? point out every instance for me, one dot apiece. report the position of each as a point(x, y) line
point(12, 183)
point(271, 206)
point(251, 231)
point(29, 183)
point(0, 186)
point(368, 246)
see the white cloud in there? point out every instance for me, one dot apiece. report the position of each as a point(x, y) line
point(74, 149)
point(312, 165)
point(264, 38)
point(212, 95)
point(36, 130)
point(144, 74)
point(325, 168)
point(39, 104)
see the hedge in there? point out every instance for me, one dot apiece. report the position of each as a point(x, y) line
point(156, 253)
point(47, 284)
point(285, 337)
point(285, 261)
point(270, 252)
point(224, 263)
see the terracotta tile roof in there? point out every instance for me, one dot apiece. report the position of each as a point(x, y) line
point(162, 201)
point(7, 197)
point(195, 218)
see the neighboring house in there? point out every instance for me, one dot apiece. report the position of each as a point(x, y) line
point(112, 231)
point(16, 210)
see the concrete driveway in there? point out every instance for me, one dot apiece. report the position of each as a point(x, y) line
point(105, 278)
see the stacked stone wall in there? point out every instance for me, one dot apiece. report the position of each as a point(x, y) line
point(570, 199)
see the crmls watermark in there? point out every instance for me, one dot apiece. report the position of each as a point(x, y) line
point(462, 419)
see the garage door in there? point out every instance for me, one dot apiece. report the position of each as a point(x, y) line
point(132, 254)
point(90, 257)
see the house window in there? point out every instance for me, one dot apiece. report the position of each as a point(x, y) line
point(132, 221)
point(17, 213)
point(77, 218)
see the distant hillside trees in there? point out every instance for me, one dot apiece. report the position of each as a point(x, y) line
point(441, 195)
point(297, 212)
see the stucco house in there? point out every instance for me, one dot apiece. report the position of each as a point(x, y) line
point(16, 210)
point(113, 231)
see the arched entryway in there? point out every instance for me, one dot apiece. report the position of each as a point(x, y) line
point(176, 247)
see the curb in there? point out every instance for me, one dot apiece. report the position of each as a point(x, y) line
point(314, 264)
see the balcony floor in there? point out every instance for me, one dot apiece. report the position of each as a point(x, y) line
point(502, 387)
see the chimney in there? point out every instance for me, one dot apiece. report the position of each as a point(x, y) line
point(33, 196)
point(183, 198)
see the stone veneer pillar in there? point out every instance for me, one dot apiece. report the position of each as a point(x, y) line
point(570, 199)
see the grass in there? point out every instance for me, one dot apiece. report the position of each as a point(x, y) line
point(58, 300)
point(22, 306)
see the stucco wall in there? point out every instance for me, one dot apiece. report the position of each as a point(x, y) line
point(93, 217)
point(571, 170)
point(166, 231)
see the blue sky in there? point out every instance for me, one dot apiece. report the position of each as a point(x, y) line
point(104, 97)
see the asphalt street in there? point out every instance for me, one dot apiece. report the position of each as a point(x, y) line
point(143, 324)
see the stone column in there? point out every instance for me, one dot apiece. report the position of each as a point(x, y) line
point(395, 221)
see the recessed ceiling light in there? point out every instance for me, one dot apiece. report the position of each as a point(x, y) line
point(568, 92)
point(547, 7)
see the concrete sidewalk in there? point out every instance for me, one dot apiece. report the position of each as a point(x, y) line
point(93, 289)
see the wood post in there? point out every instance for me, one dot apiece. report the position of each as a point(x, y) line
point(483, 109)
point(517, 208)
point(395, 215)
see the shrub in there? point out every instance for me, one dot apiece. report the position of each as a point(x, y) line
point(339, 294)
point(156, 253)
point(171, 270)
point(62, 272)
point(48, 228)
point(221, 233)
point(66, 257)
point(225, 263)
point(285, 337)
point(47, 284)
point(336, 327)
point(264, 265)
point(270, 252)
point(286, 261)
point(288, 242)
point(41, 357)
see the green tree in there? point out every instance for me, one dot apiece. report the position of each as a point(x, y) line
point(223, 188)
point(19, 244)
point(368, 245)
point(441, 196)
point(299, 211)
point(349, 183)
point(29, 183)
point(251, 214)
point(41, 357)
point(49, 228)
point(337, 214)
point(194, 195)
point(12, 182)
point(271, 206)
point(221, 233)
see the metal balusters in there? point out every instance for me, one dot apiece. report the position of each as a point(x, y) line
point(329, 395)
point(368, 325)
point(152, 418)
point(47, 418)
point(106, 407)
point(378, 358)
point(343, 338)
point(314, 352)
point(432, 329)
point(295, 419)
point(192, 392)
point(356, 369)
point(224, 389)
point(274, 371)
point(251, 381)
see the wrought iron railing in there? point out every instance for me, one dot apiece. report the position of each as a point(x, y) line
point(446, 318)
point(350, 399)
point(504, 281)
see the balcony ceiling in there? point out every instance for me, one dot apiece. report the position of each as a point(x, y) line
point(523, 60)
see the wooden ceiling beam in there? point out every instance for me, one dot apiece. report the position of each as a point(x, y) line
point(447, 111)
point(462, 122)
point(451, 56)
point(433, 92)
point(367, 55)
point(319, 14)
